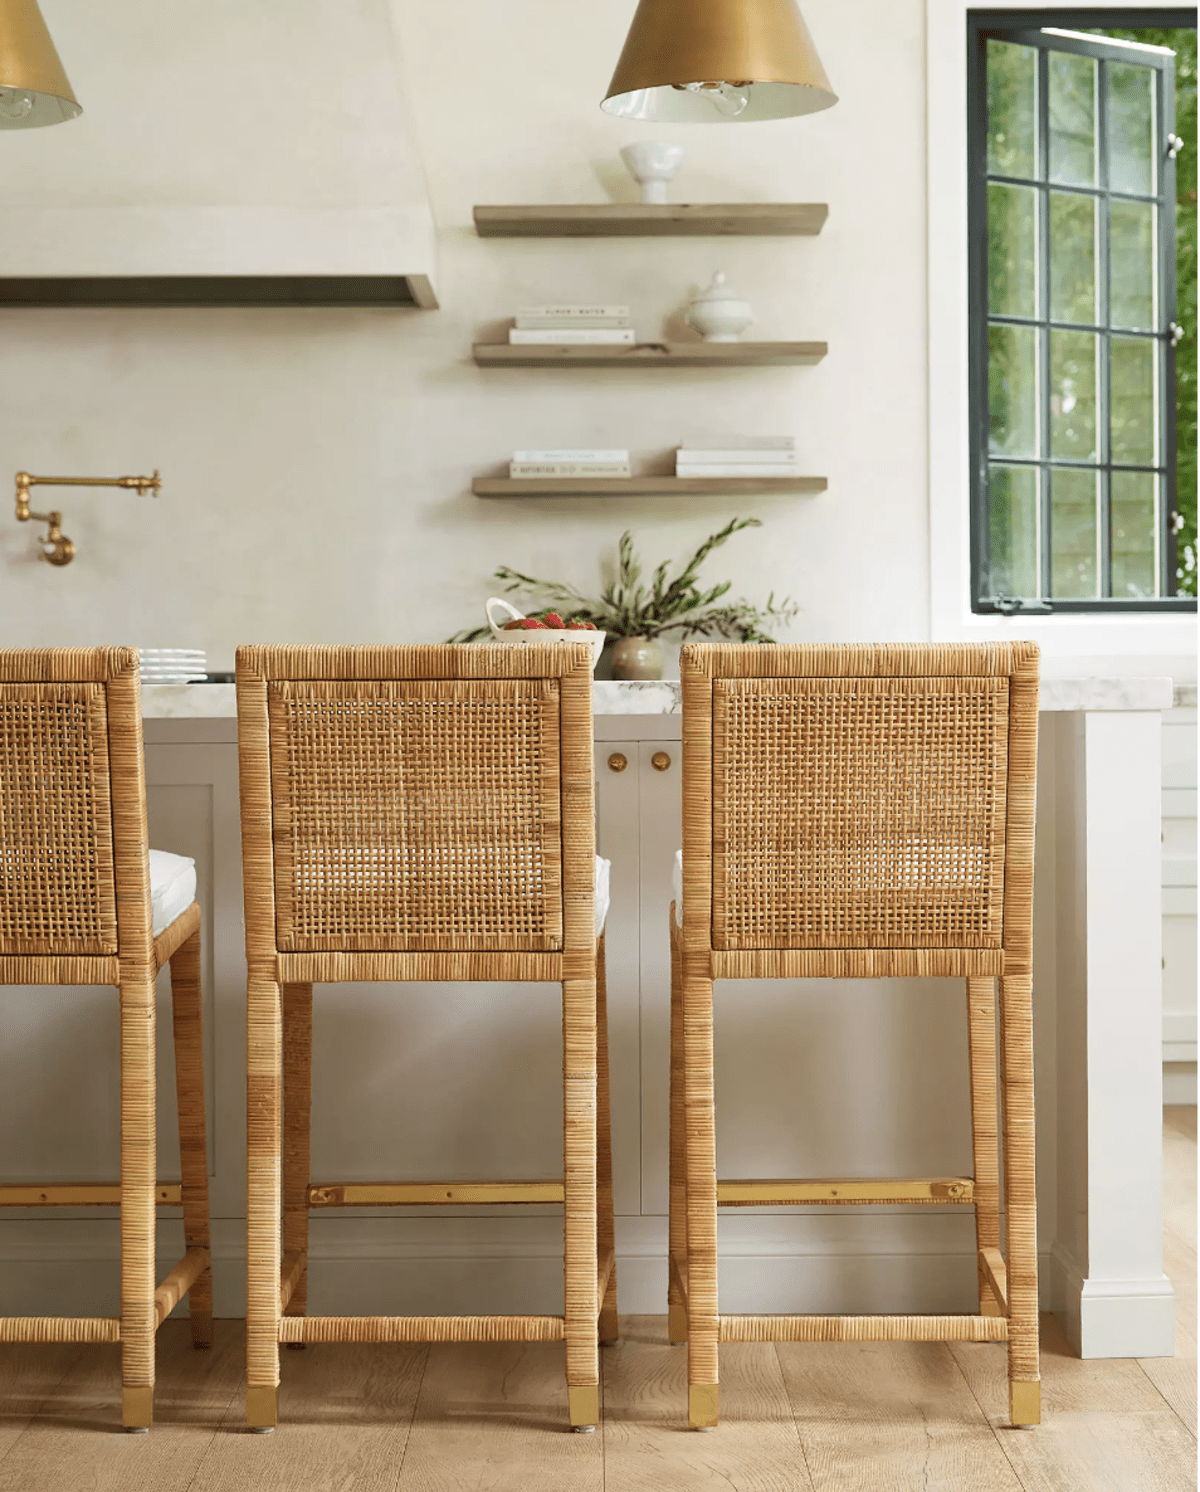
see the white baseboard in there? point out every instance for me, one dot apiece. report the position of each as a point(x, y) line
point(1113, 1318)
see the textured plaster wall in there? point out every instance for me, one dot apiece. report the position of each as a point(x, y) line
point(317, 464)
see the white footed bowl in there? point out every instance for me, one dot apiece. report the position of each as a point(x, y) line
point(652, 163)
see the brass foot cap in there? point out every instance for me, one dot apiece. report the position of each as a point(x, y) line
point(584, 1429)
point(702, 1405)
point(1025, 1403)
point(584, 1407)
point(262, 1408)
point(137, 1408)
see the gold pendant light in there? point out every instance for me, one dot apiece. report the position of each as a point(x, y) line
point(713, 61)
point(33, 87)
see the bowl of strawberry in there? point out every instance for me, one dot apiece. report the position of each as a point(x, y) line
point(542, 627)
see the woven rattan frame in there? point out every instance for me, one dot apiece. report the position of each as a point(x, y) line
point(75, 909)
point(417, 813)
point(860, 812)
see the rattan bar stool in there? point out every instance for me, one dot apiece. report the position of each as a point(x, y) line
point(859, 812)
point(418, 813)
point(82, 901)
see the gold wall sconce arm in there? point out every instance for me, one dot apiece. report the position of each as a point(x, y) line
point(57, 549)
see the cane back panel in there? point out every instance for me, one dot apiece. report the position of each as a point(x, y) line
point(57, 892)
point(859, 812)
point(414, 815)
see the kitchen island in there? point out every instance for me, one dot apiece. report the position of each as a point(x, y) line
point(814, 1077)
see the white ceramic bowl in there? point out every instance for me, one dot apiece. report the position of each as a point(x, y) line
point(539, 636)
point(652, 163)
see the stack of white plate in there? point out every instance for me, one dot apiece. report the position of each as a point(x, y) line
point(173, 665)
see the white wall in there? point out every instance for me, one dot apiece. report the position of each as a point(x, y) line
point(316, 464)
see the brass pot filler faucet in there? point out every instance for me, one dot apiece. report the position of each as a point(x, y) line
point(57, 549)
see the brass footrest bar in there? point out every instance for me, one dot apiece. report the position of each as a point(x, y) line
point(434, 1193)
point(855, 1191)
point(864, 1329)
point(991, 1262)
point(421, 1329)
point(60, 1329)
point(84, 1194)
point(179, 1282)
point(293, 1268)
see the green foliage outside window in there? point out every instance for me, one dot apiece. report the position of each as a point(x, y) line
point(1183, 44)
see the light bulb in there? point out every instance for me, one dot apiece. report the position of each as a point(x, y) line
point(15, 103)
point(730, 99)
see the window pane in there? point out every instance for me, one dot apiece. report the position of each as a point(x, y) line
point(1073, 395)
point(1130, 128)
point(1133, 420)
point(1012, 108)
point(1073, 529)
point(1072, 119)
point(1012, 531)
point(1012, 390)
point(1134, 540)
point(1073, 258)
point(1133, 257)
point(1012, 256)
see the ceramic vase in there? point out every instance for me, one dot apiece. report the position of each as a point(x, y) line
point(637, 658)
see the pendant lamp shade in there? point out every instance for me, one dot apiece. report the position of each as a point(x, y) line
point(33, 87)
point(718, 61)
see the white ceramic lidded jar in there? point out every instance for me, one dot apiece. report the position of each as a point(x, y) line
point(717, 313)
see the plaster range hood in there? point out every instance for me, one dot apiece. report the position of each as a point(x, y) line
point(228, 154)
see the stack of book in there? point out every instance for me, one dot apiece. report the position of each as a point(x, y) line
point(569, 464)
point(734, 456)
point(571, 326)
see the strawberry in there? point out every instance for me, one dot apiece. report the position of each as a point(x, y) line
point(531, 624)
point(514, 625)
point(581, 624)
point(552, 619)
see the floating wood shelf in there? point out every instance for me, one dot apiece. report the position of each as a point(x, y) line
point(652, 355)
point(621, 219)
point(644, 486)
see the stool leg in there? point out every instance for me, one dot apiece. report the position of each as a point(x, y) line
point(579, 1184)
point(700, 1119)
point(137, 1198)
point(297, 1109)
point(981, 1030)
point(1020, 1213)
point(264, 1031)
point(606, 1230)
point(187, 1019)
point(677, 1329)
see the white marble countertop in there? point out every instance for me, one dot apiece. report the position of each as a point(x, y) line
point(219, 701)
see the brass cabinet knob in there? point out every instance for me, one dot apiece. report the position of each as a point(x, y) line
point(617, 762)
point(660, 761)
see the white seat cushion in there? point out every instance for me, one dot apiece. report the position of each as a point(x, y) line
point(600, 892)
point(172, 888)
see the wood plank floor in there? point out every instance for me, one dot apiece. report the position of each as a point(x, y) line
point(796, 1417)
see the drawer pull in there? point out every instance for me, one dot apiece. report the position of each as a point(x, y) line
point(660, 761)
point(617, 762)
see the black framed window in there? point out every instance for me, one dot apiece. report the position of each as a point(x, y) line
point(1073, 314)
